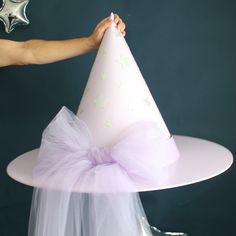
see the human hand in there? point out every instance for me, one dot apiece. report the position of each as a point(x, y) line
point(96, 37)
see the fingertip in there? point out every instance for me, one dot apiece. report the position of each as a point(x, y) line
point(107, 24)
point(116, 18)
point(120, 26)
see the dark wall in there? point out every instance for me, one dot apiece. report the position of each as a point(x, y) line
point(187, 53)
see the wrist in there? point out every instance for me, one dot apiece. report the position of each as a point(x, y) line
point(92, 45)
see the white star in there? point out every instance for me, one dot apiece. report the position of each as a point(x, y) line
point(104, 76)
point(99, 102)
point(124, 61)
point(102, 51)
point(108, 123)
point(116, 32)
point(86, 91)
point(13, 14)
point(147, 102)
point(81, 111)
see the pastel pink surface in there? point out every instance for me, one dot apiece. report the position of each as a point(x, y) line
point(199, 160)
point(116, 95)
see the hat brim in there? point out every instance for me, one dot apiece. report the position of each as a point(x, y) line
point(199, 160)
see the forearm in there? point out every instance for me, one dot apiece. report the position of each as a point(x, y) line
point(45, 51)
point(42, 51)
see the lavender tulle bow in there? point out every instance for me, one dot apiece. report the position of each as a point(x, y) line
point(68, 158)
point(85, 190)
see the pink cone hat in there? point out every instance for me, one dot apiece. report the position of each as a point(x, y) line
point(116, 95)
point(118, 124)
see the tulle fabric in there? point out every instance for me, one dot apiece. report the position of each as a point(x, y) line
point(85, 190)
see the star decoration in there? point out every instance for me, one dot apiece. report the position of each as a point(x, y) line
point(108, 123)
point(86, 91)
point(102, 51)
point(104, 76)
point(116, 32)
point(123, 85)
point(81, 111)
point(12, 14)
point(124, 61)
point(147, 102)
point(122, 82)
point(99, 102)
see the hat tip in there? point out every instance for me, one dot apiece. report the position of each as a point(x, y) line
point(112, 16)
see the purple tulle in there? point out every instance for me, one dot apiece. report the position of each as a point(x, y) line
point(85, 190)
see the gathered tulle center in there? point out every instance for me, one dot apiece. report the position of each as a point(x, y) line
point(100, 156)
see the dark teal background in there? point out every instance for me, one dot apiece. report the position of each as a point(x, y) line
point(186, 51)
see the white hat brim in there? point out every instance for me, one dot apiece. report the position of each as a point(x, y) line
point(199, 160)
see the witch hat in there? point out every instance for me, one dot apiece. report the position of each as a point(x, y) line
point(116, 98)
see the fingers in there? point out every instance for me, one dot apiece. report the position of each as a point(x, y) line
point(104, 21)
point(103, 25)
point(96, 37)
point(120, 24)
